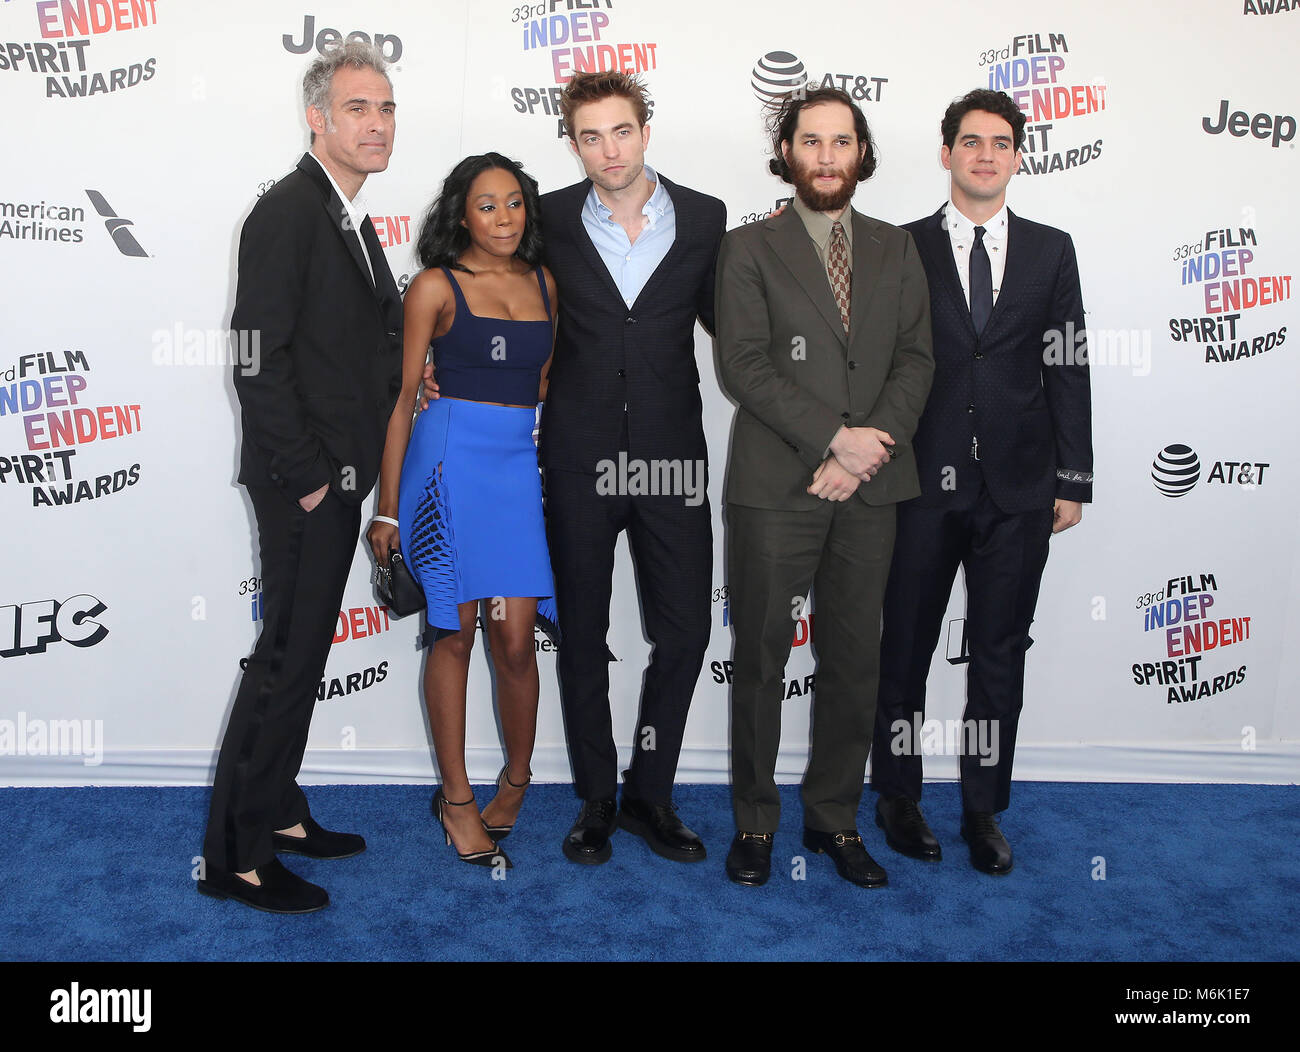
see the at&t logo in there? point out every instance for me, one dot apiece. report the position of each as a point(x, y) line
point(1177, 469)
point(778, 73)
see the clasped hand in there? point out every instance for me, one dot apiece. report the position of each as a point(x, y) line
point(857, 453)
point(862, 451)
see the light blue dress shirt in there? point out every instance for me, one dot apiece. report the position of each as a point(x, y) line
point(630, 263)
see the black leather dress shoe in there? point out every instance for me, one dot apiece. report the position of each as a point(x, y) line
point(319, 843)
point(989, 850)
point(905, 828)
point(588, 840)
point(850, 857)
point(660, 827)
point(280, 891)
point(749, 861)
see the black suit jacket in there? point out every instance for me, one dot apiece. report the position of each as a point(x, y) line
point(316, 403)
point(608, 355)
point(1032, 416)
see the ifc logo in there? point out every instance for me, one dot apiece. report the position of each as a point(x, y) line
point(1176, 470)
point(775, 74)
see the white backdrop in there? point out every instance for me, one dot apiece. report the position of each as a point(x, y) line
point(142, 131)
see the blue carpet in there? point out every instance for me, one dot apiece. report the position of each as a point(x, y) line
point(1192, 873)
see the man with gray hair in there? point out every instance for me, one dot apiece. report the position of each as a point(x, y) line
point(314, 284)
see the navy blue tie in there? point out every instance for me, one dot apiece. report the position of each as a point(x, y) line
point(981, 283)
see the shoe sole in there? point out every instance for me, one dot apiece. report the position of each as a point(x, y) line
point(215, 893)
point(990, 870)
point(638, 828)
point(287, 849)
point(920, 856)
point(757, 882)
point(855, 883)
point(588, 858)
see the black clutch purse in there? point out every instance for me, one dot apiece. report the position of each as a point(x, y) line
point(397, 588)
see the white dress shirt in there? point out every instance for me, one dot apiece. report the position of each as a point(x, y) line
point(961, 234)
point(631, 263)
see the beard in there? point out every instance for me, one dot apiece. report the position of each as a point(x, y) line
point(628, 177)
point(819, 200)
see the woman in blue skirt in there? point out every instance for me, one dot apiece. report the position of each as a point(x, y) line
point(460, 492)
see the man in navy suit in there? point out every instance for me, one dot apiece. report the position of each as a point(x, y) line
point(633, 255)
point(1004, 454)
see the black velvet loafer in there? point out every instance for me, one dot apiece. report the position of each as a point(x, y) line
point(280, 891)
point(319, 843)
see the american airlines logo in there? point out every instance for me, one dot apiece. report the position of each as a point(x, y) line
point(116, 226)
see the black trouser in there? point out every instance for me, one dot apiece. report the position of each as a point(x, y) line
point(672, 553)
point(1003, 556)
point(841, 550)
point(305, 558)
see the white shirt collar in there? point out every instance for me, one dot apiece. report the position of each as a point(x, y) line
point(356, 215)
point(653, 209)
point(355, 208)
point(962, 229)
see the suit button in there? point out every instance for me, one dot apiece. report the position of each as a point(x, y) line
point(392, 334)
point(970, 409)
point(631, 320)
point(844, 416)
point(978, 356)
point(622, 373)
point(853, 365)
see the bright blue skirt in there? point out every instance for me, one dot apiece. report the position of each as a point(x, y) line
point(470, 508)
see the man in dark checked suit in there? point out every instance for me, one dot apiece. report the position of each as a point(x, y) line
point(314, 284)
point(824, 341)
point(1004, 454)
point(633, 255)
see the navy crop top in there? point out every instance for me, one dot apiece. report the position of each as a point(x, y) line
point(492, 359)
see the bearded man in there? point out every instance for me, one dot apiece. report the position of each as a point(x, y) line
point(824, 341)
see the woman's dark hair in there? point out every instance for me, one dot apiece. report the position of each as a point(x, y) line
point(783, 120)
point(443, 238)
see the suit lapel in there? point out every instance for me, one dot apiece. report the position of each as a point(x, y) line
point(788, 238)
point(385, 287)
point(685, 223)
point(341, 222)
point(938, 247)
point(868, 260)
point(1015, 269)
point(583, 240)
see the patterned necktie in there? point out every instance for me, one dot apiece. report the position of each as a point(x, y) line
point(837, 269)
point(981, 283)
